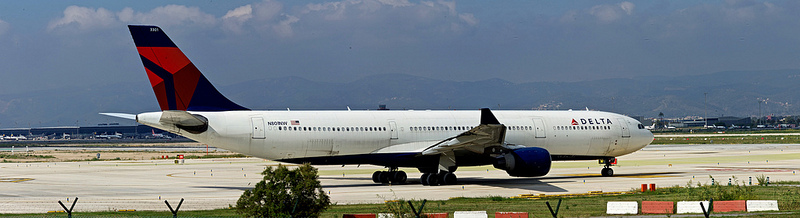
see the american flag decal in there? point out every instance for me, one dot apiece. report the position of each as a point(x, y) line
point(295, 122)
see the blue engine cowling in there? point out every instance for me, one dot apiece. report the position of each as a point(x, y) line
point(525, 162)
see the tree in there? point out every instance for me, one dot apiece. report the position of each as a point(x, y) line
point(285, 193)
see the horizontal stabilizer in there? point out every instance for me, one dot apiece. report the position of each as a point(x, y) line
point(182, 118)
point(174, 121)
point(121, 115)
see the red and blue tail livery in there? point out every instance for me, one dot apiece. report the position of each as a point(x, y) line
point(177, 83)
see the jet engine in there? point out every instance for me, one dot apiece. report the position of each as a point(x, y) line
point(525, 162)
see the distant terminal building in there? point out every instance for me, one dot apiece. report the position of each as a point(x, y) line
point(731, 121)
point(712, 121)
point(86, 132)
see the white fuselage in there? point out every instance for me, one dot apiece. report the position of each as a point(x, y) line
point(286, 135)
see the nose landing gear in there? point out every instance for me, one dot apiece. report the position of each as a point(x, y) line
point(608, 162)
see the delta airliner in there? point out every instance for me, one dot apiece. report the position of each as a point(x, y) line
point(523, 143)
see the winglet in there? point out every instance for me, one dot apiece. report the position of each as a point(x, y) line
point(487, 117)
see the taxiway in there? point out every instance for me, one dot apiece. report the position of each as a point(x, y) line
point(217, 183)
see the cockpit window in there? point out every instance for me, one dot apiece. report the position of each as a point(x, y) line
point(641, 126)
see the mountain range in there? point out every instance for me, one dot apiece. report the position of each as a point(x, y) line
point(730, 93)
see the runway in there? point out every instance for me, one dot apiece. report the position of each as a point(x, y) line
point(217, 183)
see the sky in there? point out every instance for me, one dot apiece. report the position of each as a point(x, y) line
point(53, 44)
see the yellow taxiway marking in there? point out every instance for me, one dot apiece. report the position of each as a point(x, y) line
point(625, 176)
point(15, 179)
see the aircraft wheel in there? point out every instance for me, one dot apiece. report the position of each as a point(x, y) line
point(376, 176)
point(448, 179)
point(607, 172)
point(399, 177)
point(424, 178)
point(385, 177)
point(433, 179)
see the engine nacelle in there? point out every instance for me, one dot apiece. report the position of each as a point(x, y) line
point(525, 162)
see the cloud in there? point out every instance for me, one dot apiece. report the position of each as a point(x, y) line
point(267, 10)
point(169, 15)
point(284, 28)
point(610, 13)
point(4, 26)
point(469, 19)
point(627, 7)
point(396, 3)
point(389, 15)
point(83, 18)
point(330, 10)
point(234, 19)
point(240, 14)
point(269, 18)
point(264, 18)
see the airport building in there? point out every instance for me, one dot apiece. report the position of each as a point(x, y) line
point(711, 121)
point(89, 132)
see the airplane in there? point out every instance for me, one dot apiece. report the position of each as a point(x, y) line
point(521, 142)
point(107, 136)
point(158, 135)
point(16, 138)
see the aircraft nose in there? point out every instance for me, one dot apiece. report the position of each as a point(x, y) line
point(645, 138)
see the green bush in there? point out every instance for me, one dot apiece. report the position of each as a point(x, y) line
point(285, 193)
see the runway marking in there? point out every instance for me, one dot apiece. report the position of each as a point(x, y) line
point(15, 179)
point(744, 169)
point(625, 176)
point(643, 176)
point(590, 193)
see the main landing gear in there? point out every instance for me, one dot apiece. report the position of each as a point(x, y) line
point(441, 178)
point(392, 176)
point(607, 171)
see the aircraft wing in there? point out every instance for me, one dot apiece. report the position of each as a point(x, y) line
point(489, 133)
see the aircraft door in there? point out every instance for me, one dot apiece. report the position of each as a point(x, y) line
point(393, 129)
point(257, 124)
point(538, 128)
point(626, 132)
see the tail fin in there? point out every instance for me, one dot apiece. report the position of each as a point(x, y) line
point(177, 83)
